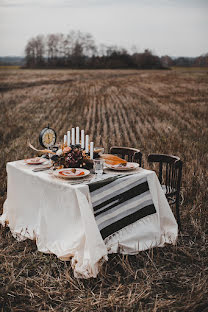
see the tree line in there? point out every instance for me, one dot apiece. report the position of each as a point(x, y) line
point(200, 61)
point(78, 50)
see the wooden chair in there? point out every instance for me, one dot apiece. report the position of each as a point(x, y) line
point(169, 174)
point(127, 153)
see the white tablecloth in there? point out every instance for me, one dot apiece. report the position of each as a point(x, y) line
point(59, 216)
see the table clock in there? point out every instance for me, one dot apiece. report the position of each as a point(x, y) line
point(47, 137)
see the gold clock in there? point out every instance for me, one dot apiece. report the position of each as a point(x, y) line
point(47, 137)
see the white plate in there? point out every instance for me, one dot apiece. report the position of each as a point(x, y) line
point(66, 173)
point(35, 161)
point(129, 166)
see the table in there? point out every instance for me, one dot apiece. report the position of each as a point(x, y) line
point(86, 221)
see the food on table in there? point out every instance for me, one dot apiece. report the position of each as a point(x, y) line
point(128, 166)
point(34, 161)
point(71, 172)
point(113, 160)
point(123, 166)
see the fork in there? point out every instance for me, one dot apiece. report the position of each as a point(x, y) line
point(41, 169)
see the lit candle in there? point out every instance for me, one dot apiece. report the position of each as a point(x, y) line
point(82, 139)
point(91, 150)
point(73, 136)
point(65, 139)
point(87, 144)
point(68, 138)
point(77, 135)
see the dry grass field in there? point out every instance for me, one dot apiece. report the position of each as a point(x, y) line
point(155, 111)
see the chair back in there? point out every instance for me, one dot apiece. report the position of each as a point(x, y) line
point(127, 153)
point(169, 172)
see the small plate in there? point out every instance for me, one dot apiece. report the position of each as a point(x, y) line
point(68, 173)
point(129, 166)
point(35, 161)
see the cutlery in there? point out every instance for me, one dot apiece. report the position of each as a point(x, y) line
point(40, 169)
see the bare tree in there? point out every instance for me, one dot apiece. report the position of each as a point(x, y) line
point(34, 51)
point(30, 53)
point(52, 43)
point(40, 49)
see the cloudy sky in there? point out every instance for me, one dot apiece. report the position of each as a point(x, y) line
point(173, 27)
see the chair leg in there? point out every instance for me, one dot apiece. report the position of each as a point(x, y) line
point(178, 213)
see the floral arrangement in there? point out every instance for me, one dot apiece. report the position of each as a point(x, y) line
point(71, 157)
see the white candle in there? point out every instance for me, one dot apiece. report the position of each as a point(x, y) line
point(65, 138)
point(77, 135)
point(68, 138)
point(82, 139)
point(87, 144)
point(73, 136)
point(91, 150)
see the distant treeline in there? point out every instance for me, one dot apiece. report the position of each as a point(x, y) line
point(200, 61)
point(78, 50)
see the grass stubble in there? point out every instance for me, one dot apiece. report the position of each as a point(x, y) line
point(156, 111)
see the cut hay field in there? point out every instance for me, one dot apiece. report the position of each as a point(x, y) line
point(155, 111)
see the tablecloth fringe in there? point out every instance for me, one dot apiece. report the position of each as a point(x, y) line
point(81, 270)
point(159, 239)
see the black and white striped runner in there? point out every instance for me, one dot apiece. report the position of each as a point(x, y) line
point(119, 201)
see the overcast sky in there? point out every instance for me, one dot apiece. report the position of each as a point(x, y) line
point(173, 27)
